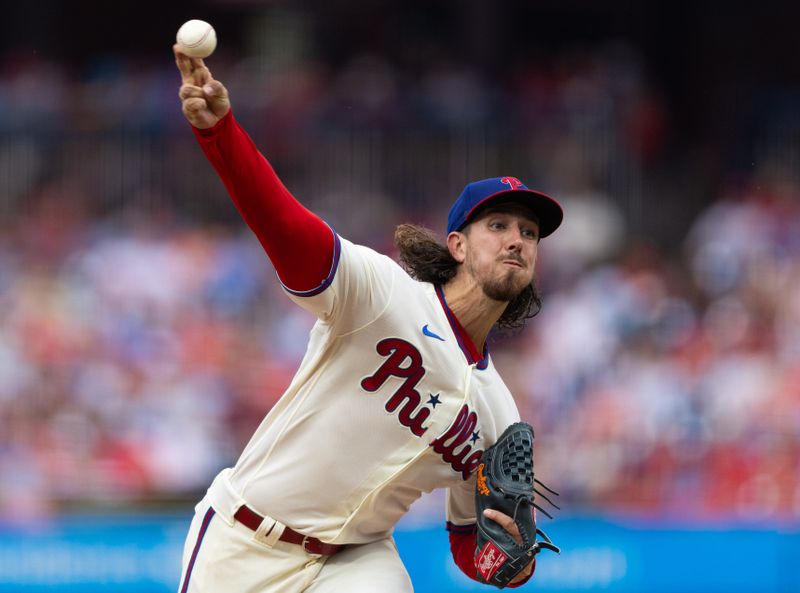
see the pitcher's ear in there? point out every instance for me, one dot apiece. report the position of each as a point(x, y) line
point(456, 244)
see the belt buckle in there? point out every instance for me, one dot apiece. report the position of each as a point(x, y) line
point(306, 539)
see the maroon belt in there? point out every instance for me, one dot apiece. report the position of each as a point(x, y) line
point(249, 518)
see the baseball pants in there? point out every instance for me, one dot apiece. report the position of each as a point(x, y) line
point(221, 554)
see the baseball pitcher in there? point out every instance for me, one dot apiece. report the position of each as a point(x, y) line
point(397, 380)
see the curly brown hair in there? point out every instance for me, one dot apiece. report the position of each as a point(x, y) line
point(427, 260)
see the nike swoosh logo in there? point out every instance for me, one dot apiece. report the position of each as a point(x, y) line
point(430, 334)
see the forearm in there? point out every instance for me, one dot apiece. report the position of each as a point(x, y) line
point(299, 244)
point(462, 547)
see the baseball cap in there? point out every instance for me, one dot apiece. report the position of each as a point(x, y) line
point(502, 189)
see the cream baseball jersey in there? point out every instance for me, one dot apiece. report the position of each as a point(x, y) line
point(386, 405)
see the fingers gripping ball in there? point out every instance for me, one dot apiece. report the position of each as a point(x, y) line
point(196, 39)
point(506, 483)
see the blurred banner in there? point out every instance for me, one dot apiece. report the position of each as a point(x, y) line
point(142, 553)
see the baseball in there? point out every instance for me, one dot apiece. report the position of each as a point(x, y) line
point(197, 39)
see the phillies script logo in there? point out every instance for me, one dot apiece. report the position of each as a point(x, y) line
point(404, 361)
point(463, 460)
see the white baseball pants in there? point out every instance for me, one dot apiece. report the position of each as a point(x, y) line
point(221, 554)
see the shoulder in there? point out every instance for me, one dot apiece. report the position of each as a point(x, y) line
point(361, 255)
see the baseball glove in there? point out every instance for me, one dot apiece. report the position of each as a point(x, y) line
point(505, 482)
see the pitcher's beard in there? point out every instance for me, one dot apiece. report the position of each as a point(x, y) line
point(504, 289)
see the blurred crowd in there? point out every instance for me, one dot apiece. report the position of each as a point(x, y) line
point(143, 335)
point(671, 385)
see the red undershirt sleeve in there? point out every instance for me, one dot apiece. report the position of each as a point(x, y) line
point(299, 244)
point(462, 547)
point(463, 539)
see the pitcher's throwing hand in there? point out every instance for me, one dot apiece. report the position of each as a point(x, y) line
point(203, 99)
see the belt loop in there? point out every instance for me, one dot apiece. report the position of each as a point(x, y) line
point(269, 532)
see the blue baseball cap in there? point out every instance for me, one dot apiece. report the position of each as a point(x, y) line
point(504, 189)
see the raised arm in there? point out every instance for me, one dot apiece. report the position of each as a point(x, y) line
point(299, 244)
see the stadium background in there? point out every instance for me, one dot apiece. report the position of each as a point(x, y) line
point(142, 335)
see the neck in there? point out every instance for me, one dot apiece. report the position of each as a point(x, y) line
point(475, 311)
